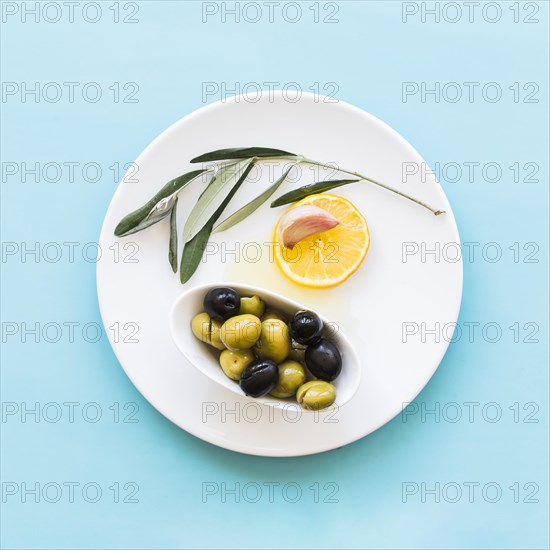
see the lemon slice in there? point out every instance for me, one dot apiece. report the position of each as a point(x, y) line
point(328, 258)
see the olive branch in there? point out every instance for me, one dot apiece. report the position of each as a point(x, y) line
point(229, 171)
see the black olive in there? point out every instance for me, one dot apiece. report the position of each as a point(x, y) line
point(306, 327)
point(259, 378)
point(323, 360)
point(222, 303)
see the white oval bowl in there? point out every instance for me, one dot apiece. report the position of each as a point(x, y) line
point(204, 357)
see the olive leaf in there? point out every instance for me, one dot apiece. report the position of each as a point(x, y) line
point(311, 189)
point(148, 214)
point(211, 198)
point(162, 208)
point(241, 153)
point(141, 226)
point(193, 250)
point(250, 207)
point(159, 212)
point(173, 245)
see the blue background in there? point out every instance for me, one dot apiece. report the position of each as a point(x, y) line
point(170, 52)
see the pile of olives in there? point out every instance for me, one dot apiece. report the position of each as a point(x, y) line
point(264, 354)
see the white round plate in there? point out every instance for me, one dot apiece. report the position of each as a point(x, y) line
point(386, 309)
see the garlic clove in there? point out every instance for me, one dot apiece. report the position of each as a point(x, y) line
point(302, 222)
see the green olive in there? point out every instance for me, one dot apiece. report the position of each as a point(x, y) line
point(207, 330)
point(240, 332)
point(274, 342)
point(291, 376)
point(297, 351)
point(234, 362)
point(273, 314)
point(253, 305)
point(316, 395)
